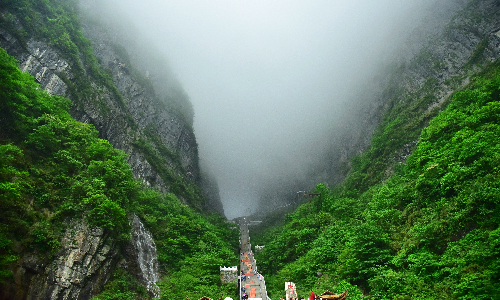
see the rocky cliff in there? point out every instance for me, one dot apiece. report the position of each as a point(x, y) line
point(454, 42)
point(441, 53)
point(150, 122)
point(78, 270)
point(126, 109)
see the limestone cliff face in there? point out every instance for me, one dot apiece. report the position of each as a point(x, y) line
point(77, 271)
point(211, 192)
point(87, 256)
point(84, 263)
point(147, 111)
point(135, 117)
point(122, 121)
point(144, 103)
point(456, 41)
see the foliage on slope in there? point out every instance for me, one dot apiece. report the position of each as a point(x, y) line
point(190, 247)
point(429, 231)
point(56, 23)
point(419, 85)
point(53, 168)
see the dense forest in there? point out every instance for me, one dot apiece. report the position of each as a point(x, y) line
point(57, 173)
point(429, 230)
point(417, 216)
point(99, 97)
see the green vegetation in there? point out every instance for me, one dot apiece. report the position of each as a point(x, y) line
point(478, 52)
point(54, 169)
point(401, 126)
point(424, 229)
point(56, 23)
point(123, 286)
point(191, 247)
point(431, 230)
point(160, 158)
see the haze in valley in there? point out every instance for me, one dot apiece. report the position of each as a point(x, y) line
point(271, 81)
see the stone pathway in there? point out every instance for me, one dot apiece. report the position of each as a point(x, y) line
point(254, 284)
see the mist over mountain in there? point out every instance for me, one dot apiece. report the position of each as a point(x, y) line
point(130, 131)
point(416, 215)
point(100, 185)
point(273, 85)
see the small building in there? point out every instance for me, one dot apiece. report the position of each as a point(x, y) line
point(253, 223)
point(229, 274)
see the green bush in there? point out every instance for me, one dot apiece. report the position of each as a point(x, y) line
point(53, 169)
point(429, 231)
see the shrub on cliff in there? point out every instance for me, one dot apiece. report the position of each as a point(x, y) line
point(53, 167)
point(430, 231)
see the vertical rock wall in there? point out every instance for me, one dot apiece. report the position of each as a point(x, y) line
point(125, 116)
point(78, 270)
point(142, 252)
point(120, 121)
point(449, 48)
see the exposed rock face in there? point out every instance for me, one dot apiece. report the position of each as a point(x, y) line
point(142, 254)
point(149, 102)
point(145, 107)
point(117, 122)
point(129, 115)
point(211, 192)
point(445, 53)
point(78, 271)
point(40, 61)
point(456, 39)
point(84, 264)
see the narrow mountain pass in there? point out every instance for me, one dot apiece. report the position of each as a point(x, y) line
point(252, 284)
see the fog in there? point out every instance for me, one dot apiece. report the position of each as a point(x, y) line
point(271, 81)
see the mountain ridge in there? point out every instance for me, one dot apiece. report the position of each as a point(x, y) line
point(47, 231)
point(410, 219)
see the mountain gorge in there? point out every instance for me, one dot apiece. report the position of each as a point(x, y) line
point(454, 40)
point(140, 123)
point(103, 196)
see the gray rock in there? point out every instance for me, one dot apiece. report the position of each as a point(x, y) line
point(120, 124)
point(78, 271)
point(87, 256)
point(442, 52)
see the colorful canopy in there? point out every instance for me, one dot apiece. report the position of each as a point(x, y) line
point(331, 296)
